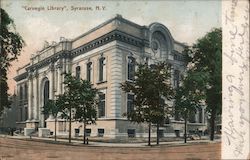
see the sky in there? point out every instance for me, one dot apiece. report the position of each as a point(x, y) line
point(187, 20)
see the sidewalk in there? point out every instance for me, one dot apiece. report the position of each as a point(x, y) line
point(106, 144)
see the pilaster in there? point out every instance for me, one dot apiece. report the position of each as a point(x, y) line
point(115, 80)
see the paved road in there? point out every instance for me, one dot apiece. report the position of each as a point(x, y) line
point(15, 149)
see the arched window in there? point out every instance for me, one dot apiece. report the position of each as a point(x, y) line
point(78, 72)
point(102, 69)
point(89, 71)
point(46, 99)
point(131, 68)
point(46, 92)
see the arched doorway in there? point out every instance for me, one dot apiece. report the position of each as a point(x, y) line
point(45, 99)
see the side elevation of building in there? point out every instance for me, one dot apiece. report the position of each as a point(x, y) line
point(105, 56)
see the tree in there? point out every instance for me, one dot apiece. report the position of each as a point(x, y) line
point(80, 98)
point(11, 46)
point(53, 107)
point(151, 88)
point(69, 99)
point(86, 107)
point(205, 57)
point(188, 99)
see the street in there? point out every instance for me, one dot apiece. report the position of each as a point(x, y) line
point(15, 149)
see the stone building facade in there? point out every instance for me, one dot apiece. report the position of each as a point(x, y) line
point(105, 56)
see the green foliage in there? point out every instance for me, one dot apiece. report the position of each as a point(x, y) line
point(11, 45)
point(206, 60)
point(188, 98)
point(52, 107)
point(79, 96)
point(11, 42)
point(152, 83)
point(4, 102)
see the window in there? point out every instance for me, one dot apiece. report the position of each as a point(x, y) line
point(100, 132)
point(26, 113)
point(200, 115)
point(21, 93)
point(102, 69)
point(77, 130)
point(131, 68)
point(130, 103)
point(88, 131)
point(101, 105)
point(25, 91)
point(176, 115)
point(56, 80)
point(176, 78)
point(89, 71)
point(78, 72)
point(161, 133)
point(21, 114)
point(131, 132)
point(192, 118)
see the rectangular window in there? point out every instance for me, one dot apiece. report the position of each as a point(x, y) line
point(200, 115)
point(26, 113)
point(56, 80)
point(21, 114)
point(176, 115)
point(131, 68)
point(192, 118)
point(102, 69)
point(176, 78)
point(101, 105)
point(89, 71)
point(26, 91)
point(130, 102)
point(100, 132)
point(131, 132)
point(21, 93)
point(161, 133)
point(78, 72)
point(88, 132)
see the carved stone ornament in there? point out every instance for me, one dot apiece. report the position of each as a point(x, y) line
point(30, 74)
point(51, 67)
point(155, 46)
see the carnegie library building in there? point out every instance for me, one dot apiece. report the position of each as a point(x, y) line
point(106, 56)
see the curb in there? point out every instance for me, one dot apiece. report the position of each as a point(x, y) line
point(101, 144)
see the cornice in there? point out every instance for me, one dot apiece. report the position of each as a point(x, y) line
point(21, 76)
point(107, 38)
point(48, 60)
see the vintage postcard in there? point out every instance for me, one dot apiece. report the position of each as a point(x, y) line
point(135, 79)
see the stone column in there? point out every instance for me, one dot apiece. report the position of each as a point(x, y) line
point(30, 97)
point(51, 81)
point(63, 71)
point(36, 97)
point(59, 79)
